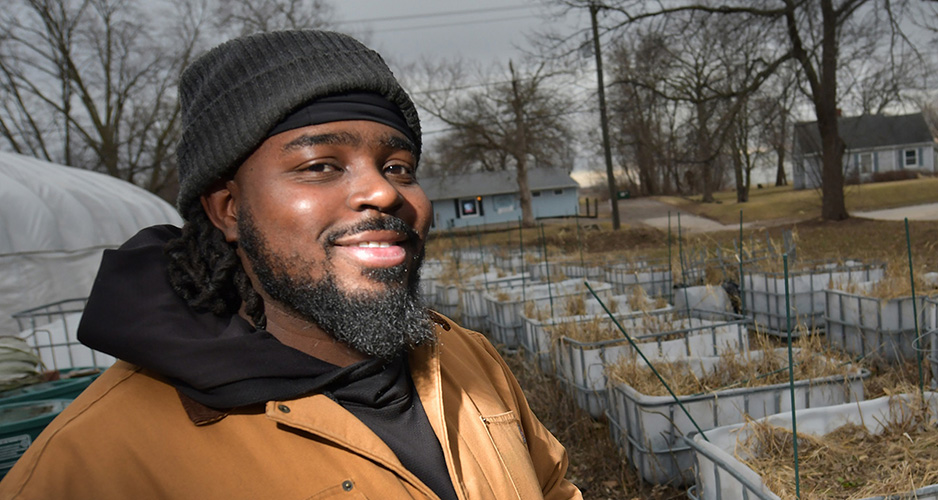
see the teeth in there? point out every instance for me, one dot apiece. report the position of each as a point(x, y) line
point(374, 244)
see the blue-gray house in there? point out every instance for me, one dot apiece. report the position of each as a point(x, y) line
point(491, 197)
point(874, 144)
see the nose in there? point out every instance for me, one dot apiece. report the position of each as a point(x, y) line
point(372, 190)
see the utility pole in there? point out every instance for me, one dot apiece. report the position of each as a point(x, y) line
point(610, 175)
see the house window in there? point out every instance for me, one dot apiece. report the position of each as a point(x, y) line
point(558, 191)
point(471, 207)
point(866, 163)
point(504, 203)
point(911, 157)
point(535, 194)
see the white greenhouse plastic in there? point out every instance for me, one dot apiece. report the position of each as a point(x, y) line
point(55, 223)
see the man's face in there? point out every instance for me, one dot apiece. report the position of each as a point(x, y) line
point(332, 225)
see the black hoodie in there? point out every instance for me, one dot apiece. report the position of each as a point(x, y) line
point(223, 362)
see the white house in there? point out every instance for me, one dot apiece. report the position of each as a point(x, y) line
point(491, 197)
point(874, 144)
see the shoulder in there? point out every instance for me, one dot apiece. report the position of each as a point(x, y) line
point(468, 360)
point(457, 341)
point(93, 429)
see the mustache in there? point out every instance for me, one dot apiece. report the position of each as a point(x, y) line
point(385, 223)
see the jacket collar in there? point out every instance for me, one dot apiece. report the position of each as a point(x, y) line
point(422, 357)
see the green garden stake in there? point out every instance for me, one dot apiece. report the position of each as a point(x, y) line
point(579, 243)
point(791, 378)
point(742, 293)
point(680, 246)
point(915, 344)
point(670, 271)
point(521, 245)
point(647, 362)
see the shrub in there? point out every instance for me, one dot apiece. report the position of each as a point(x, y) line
point(895, 175)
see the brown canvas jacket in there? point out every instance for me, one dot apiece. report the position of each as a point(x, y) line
point(129, 435)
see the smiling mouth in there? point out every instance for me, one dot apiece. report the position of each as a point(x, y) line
point(373, 244)
point(376, 243)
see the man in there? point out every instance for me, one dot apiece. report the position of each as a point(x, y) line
point(276, 346)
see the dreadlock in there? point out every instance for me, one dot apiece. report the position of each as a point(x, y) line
point(206, 272)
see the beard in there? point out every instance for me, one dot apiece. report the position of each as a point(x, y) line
point(381, 324)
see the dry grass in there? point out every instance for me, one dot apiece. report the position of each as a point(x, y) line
point(596, 465)
point(850, 462)
point(574, 305)
point(595, 329)
point(786, 203)
point(886, 378)
point(602, 328)
point(455, 272)
point(735, 369)
point(571, 305)
point(663, 327)
point(895, 282)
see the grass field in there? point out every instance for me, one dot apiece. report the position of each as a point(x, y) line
point(784, 203)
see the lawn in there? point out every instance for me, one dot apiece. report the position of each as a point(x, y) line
point(784, 203)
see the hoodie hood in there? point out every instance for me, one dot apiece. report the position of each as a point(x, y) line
point(219, 361)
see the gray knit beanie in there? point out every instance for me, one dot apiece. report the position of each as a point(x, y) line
point(234, 94)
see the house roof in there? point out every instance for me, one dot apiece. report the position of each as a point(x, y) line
point(489, 183)
point(868, 132)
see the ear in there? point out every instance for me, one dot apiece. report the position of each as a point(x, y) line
point(221, 206)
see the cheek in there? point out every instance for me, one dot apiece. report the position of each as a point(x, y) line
point(294, 209)
point(423, 212)
point(303, 207)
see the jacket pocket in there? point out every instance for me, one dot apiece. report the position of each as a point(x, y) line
point(511, 445)
point(345, 490)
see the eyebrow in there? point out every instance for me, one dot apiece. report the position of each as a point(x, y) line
point(349, 139)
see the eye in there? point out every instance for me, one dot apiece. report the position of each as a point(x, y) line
point(320, 168)
point(401, 171)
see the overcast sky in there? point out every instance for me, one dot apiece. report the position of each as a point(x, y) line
point(486, 31)
point(404, 30)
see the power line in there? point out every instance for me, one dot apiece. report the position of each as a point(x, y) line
point(449, 25)
point(437, 14)
point(469, 86)
point(563, 113)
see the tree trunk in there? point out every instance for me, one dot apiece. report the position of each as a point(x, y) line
point(833, 206)
point(780, 177)
point(644, 156)
point(705, 158)
point(520, 153)
point(742, 191)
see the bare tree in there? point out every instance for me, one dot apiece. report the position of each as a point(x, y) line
point(637, 111)
point(92, 83)
point(500, 124)
point(773, 107)
point(243, 17)
point(708, 65)
point(815, 35)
